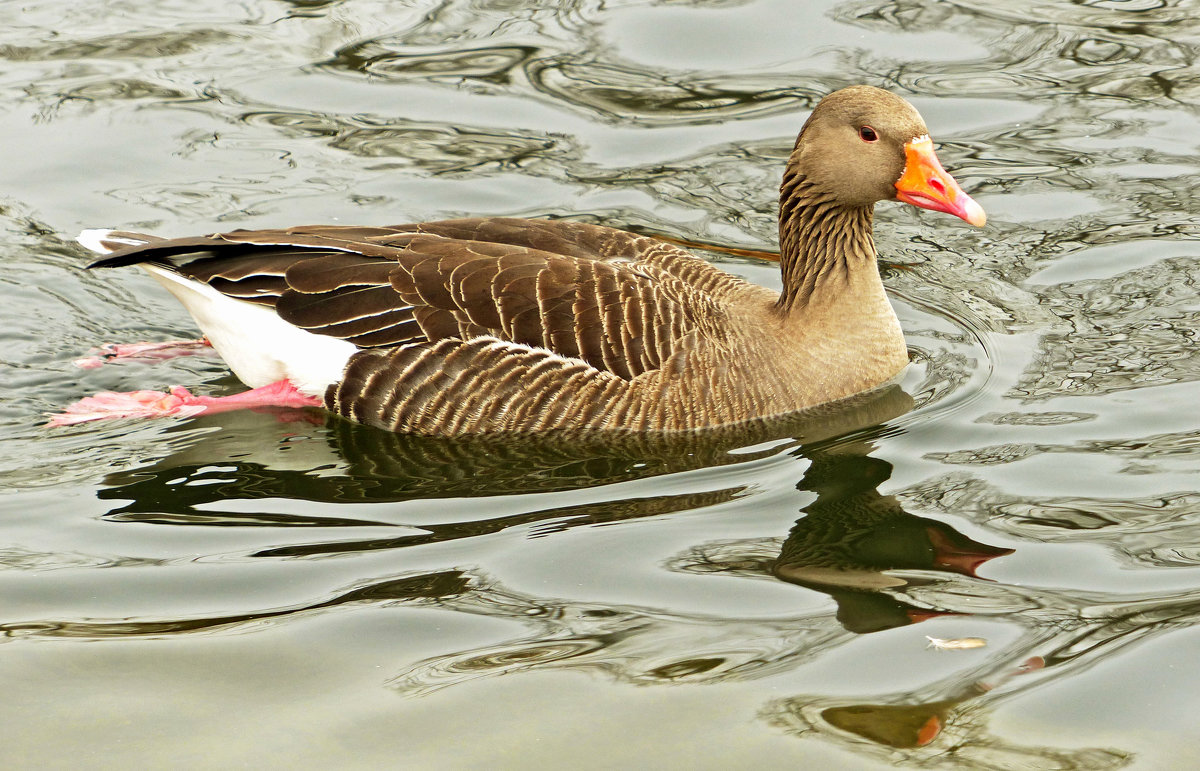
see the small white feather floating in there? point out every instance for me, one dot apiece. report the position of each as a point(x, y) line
point(955, 643)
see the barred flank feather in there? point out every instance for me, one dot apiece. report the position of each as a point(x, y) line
point(483, 385)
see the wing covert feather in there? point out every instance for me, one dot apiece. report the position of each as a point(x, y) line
point(617, 301)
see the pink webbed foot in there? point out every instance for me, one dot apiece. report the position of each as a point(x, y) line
point(169, 349)
point(178, 402)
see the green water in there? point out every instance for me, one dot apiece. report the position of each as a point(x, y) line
point(277, 590)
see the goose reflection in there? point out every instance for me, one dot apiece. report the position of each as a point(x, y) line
point(853, 543)
point(882, 566)
point(218, 463)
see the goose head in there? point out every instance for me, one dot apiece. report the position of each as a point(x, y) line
point(862, 145)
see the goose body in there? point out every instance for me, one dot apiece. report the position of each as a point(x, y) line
point(493, 325)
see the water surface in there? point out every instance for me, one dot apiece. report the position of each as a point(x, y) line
point(284, 590)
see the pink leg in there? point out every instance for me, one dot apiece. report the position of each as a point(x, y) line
point(178, 402)
point(169, 349)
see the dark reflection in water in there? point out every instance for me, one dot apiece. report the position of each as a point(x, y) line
point(882, 566)
point(296, 454)
point(255, 455)
point(426, 589)
point(852, 540)
point(854, 544)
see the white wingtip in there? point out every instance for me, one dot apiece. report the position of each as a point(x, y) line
point(102, 240)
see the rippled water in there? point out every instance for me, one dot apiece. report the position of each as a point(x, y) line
point(274, 589)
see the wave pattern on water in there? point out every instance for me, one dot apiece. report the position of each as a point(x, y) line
point(1053, 380)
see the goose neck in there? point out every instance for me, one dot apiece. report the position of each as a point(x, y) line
point(823, 244)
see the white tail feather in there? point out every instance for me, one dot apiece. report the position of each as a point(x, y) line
point(258, 346)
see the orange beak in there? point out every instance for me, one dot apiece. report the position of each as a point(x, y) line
point(927, 185)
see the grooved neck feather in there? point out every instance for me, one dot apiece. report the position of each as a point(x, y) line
point(820, 242)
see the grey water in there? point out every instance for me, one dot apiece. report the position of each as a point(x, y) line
point(278, 589)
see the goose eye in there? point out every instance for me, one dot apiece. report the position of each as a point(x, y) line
point(868, 134)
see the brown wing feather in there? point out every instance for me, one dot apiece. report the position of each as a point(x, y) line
point(348, 296)
point(618, 317)
point(569, 239)
point(616, 300)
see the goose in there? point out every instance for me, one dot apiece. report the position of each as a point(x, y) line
point(508, 326)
